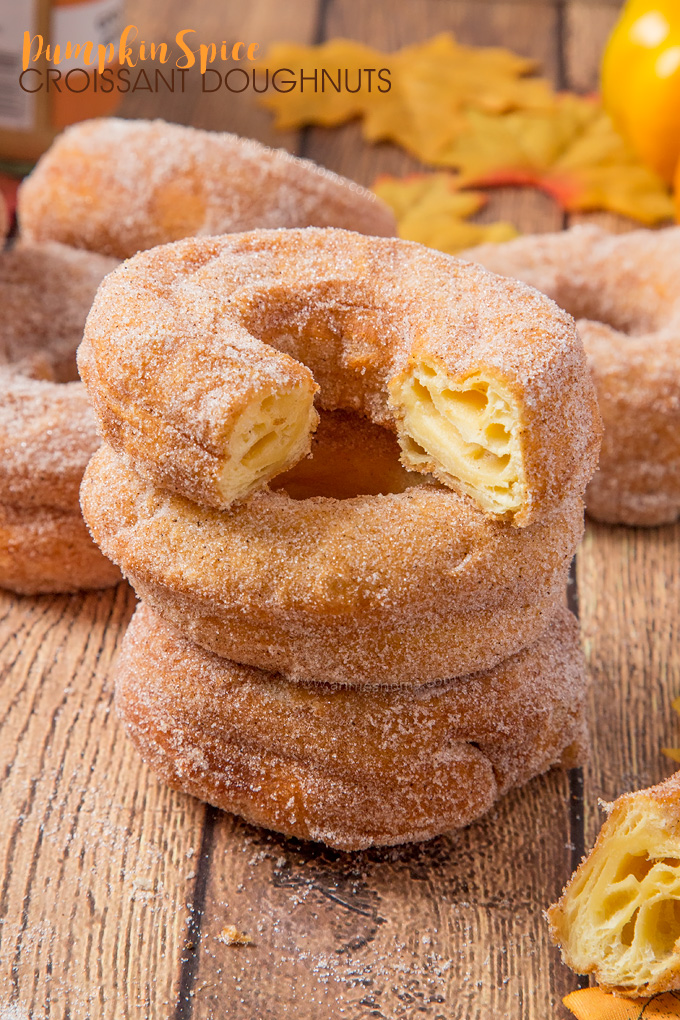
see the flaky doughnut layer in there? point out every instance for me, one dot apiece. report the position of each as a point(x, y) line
point(413, 585)
point(619, 916)
point(47, 429)
point(351, 768)
point(625, 292)
point(120, 186)
point(202, 360)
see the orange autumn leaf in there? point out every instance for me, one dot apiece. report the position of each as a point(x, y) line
point(431, 209)
point(432, 86)
point(595, 1004)
point(572, 152)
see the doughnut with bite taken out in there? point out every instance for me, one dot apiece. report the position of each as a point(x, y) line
point(203, 359)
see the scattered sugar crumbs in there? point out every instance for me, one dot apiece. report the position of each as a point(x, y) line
point(231, 936)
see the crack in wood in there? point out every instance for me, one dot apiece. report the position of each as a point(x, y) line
point(189, 961)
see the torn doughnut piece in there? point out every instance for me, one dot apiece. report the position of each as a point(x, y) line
point(468, 435)
point(619, 916)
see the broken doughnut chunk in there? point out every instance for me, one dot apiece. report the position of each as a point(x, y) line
point(619, 916)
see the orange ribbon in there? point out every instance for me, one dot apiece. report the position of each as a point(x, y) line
point(594, 1004)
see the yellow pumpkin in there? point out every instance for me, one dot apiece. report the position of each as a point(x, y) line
point(641, 81)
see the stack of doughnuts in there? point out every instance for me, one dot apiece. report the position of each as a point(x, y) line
point(345, 476)
point(113, 187)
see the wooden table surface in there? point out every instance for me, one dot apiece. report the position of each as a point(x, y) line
point(115, 889)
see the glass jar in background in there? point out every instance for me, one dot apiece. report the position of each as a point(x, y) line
point(31, 116)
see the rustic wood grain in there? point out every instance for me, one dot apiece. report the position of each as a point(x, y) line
point(116, 889)
point(586, 26)
point(629, 587)
point(628, 578)
point(260, 21)
point(97, 856)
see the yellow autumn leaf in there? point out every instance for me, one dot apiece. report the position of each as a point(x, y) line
point(431, 210)
point(476, 110)
point(432, 85)
point(572, 152)
point(325, 98)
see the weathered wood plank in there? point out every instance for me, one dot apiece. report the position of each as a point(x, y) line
point(628, 579)
point(587, 26)
point(96, 855)
point(629, 587)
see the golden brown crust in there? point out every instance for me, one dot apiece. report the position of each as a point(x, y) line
point(619, 916)
point(410, 586)
point(181, 339)
point(352, 768)
point(625, 293)
point(120, 186)
point(47, 429)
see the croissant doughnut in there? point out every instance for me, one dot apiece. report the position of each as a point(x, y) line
point(619, 916)
point(47, 429)
point(625, 292)
point(351, 768)
point(203, 358)
point(120, 186)
point(370, 575)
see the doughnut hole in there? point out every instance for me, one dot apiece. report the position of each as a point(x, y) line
point(267, 439)
point(467, 433)
point(338, 467)
point(622, 912)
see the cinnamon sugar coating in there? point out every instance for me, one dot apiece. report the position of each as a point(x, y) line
point(120, 186)
point(202, 360)
point(409, 584)
point(47, 429)
point(351, 768)
point(624, 290)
